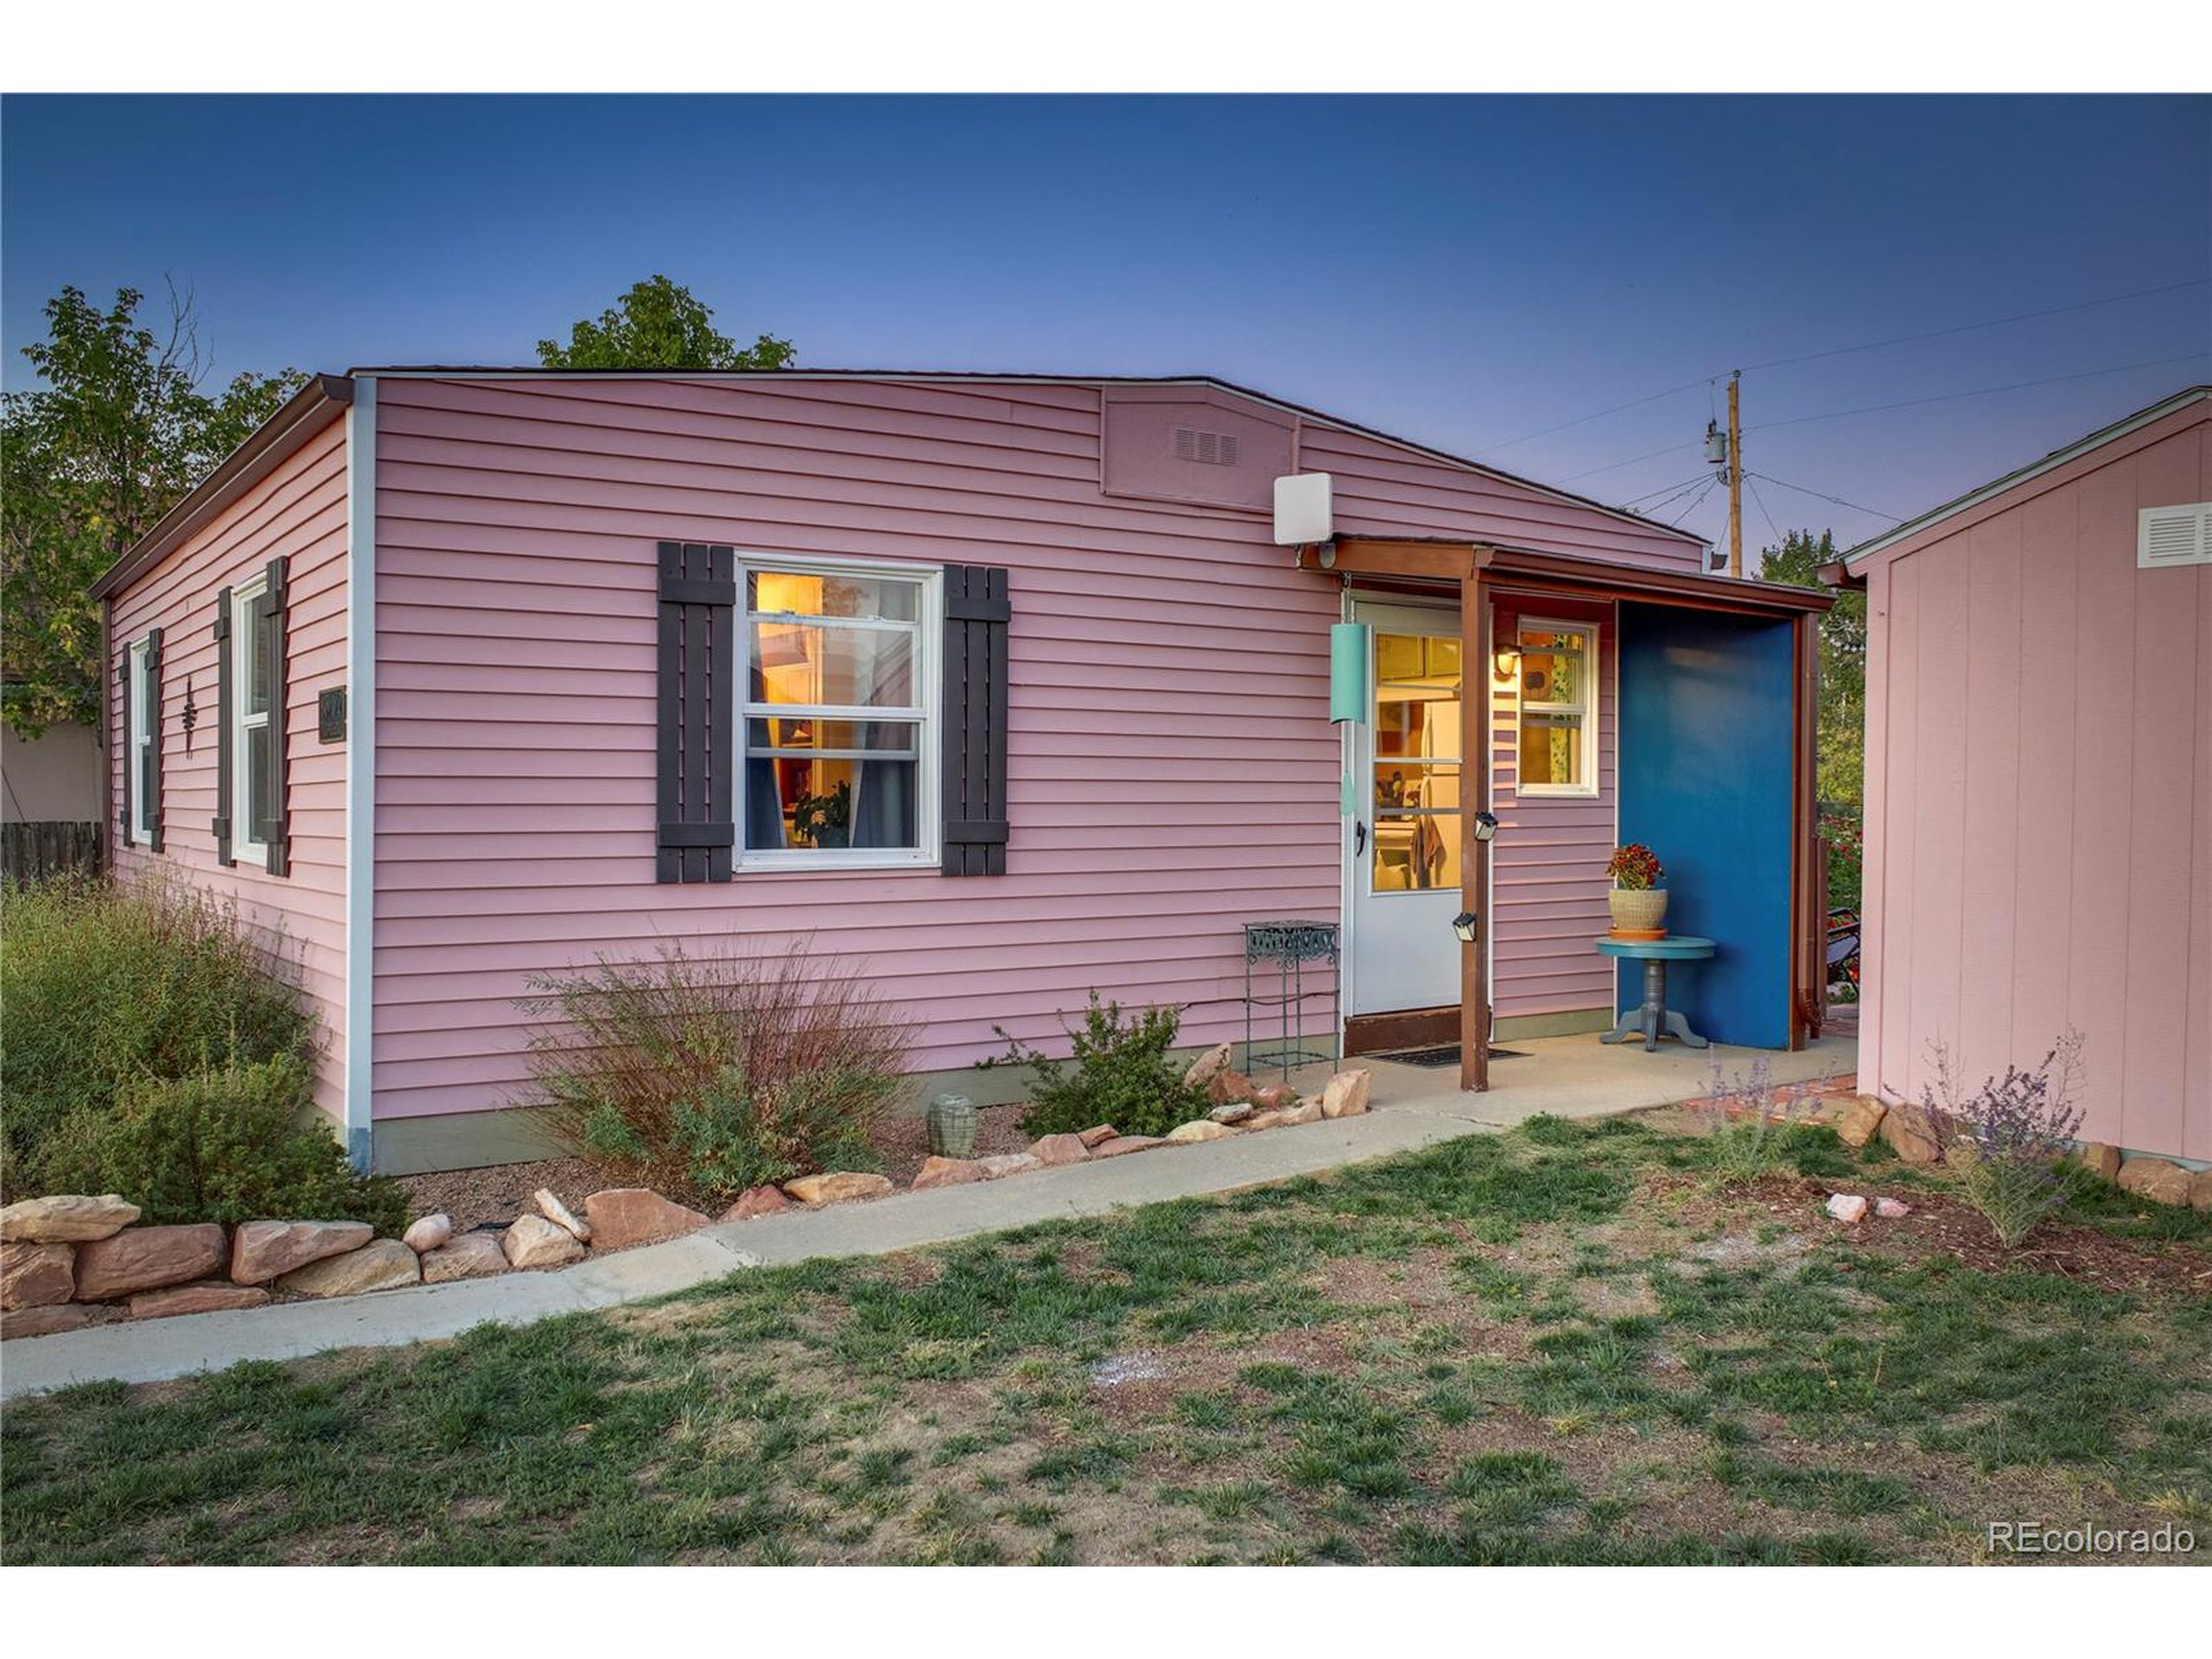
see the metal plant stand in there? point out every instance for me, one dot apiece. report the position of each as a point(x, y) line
point(1291, 946)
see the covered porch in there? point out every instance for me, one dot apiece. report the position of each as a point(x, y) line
point(1690, 729)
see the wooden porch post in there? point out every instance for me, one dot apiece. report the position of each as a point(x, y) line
point(1474, 797)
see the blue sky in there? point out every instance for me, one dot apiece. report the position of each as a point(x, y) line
point(1464, 270)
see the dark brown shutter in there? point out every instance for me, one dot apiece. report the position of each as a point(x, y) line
point(977, 614)
point(130, 750)
point(225, 760)
point(272, 818)
point(698, 712)
point(151, 782)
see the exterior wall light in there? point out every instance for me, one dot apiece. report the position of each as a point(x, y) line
point(1466, 924)
point(1506, 662)
point(1485, 825)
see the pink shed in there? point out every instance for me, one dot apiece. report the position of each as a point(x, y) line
point(2039, 783)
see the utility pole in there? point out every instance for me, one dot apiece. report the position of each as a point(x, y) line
point(1735, 481)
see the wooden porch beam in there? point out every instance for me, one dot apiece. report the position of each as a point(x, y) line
point(1474, 855)
point(1356, 555)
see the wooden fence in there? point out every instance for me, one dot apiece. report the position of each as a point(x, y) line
point(32, 852)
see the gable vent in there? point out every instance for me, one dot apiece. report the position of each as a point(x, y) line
point(1207, 449)
point(2168, 536)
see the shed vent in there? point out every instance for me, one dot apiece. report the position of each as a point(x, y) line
point(2166, 535)
point(1207, 448)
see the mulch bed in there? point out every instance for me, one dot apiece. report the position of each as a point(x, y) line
point(498, 1194)
point(1941, 1228)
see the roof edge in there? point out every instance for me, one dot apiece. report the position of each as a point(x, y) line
point(274, 441)
point(2057, 458)
point(956, 376)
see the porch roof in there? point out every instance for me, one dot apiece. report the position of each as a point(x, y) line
point(1440, 561)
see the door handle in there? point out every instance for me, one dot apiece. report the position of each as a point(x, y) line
point(1359, 839)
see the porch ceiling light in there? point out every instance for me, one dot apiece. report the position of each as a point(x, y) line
point(1485, 825)
point(1466, 924)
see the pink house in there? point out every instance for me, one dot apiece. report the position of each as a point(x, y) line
point(455, 677)
point(2039, 778)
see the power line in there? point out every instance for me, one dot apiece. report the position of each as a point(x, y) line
point(1667, 489)
point(1614, 467)
point(1979, 392)
point(1579, 420)
point(1711, 485)
point(1772, 529)
point(1855, 506)
point(1991, 322)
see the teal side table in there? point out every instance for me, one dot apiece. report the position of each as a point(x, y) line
point(1655, 1019)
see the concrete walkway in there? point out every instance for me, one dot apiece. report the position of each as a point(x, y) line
point(1414, 1107)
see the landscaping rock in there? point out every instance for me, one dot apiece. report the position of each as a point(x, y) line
point(1061, 1148)
point(534, 1241)
point(209, 1296)
point(1228, 1086)
point(1203, 1069)
point(263, 1250)
point(836, 1186)
point(1860, 1120)
point(1127, 1143)
point(381, 1264)
point(1909, 1135)
point(1892, 1209)
point(1001, 1165)
point(757, 1201)
point(1233, 1113)
point(1199, 1128)
point(1847, 1206)
point(36, 1275)
point(427, 1233)
point(1096, 1135)
point(2154, 1179)
point(550, 1206)
point(146, 1258)
point(622, 1215)
point(947, 1171)
point(2200, 1190)
point(66, 1218)
point(472, 1256)
point(2099, 1159)
point(1275, 1098)
point(1345, 1094)
point(49, 1321)
point(1306, 1111)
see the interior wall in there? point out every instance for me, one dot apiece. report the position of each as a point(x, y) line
point(1705, 765)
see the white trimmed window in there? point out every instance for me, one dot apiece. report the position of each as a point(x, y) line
point(144, 699)
point(1558, 708)
point(837, 730)
point(253, 778)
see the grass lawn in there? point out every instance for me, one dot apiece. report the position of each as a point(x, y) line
point(1566, 1343)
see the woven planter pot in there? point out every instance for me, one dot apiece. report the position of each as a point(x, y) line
point(1639, 914)
point(952, 1127)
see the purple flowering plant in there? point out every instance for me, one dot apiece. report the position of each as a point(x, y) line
point(2019, 1125)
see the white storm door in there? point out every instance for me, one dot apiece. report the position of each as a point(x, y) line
point(1405, 842)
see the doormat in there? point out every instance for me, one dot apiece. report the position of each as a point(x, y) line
point(1442, 1054)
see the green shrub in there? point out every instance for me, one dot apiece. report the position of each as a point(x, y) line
point(242, 1144)
point(105, 987)
point(1116, 1073)
point(707, 1075)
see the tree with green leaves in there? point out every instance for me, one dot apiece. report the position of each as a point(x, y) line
point(1843, 665)
point(89, 460)
point(659, 324)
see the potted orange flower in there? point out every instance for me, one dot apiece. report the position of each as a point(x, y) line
point(1638, 901)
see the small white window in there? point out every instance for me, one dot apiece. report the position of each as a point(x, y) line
point(837, 742)
point(144, 696)
point(1558, 708)
point(253, 772)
